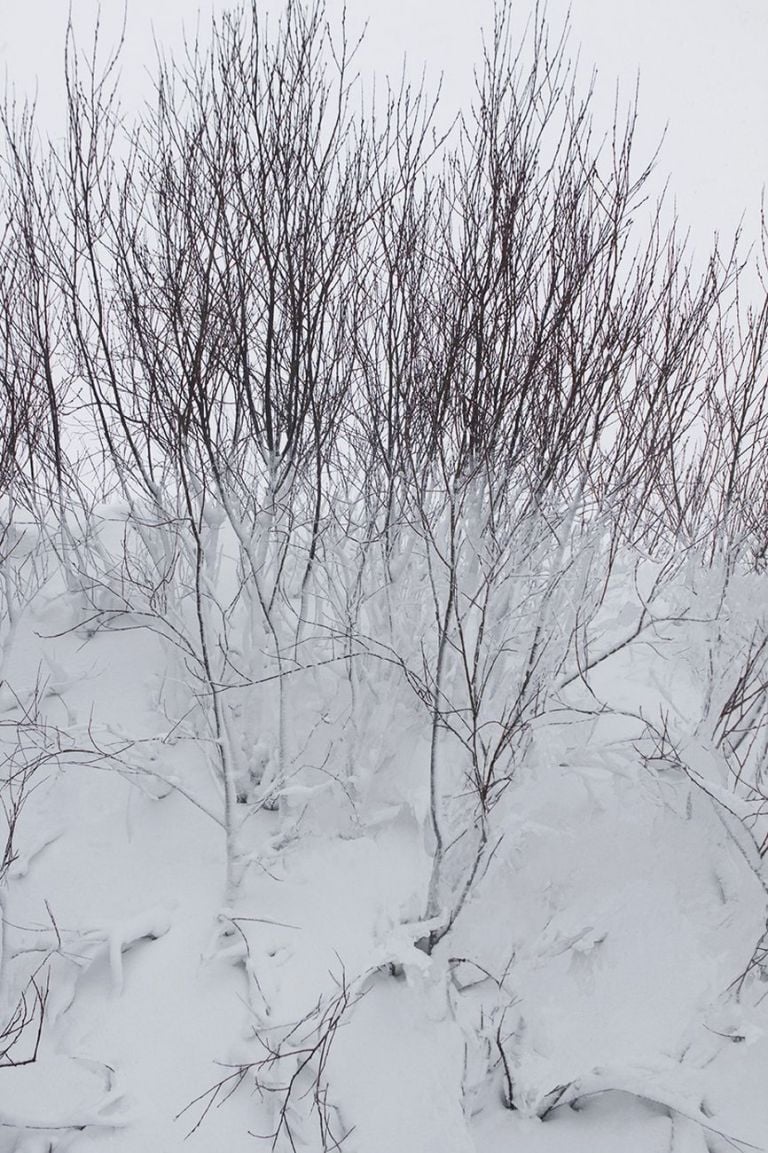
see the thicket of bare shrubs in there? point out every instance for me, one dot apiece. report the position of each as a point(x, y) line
point(392, 419)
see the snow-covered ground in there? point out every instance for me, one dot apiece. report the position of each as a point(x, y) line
point(591, 995)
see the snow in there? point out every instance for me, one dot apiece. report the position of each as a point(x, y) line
point(404, 1090)
point(601, 950)
point(60, 1092)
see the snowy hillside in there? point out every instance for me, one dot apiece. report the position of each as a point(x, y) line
point(384, 630)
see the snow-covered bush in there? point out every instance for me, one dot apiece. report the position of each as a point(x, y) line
point(416, 487)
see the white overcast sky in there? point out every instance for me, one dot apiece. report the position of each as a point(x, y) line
point(703, 68)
